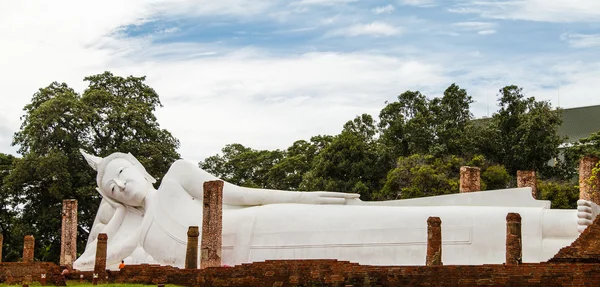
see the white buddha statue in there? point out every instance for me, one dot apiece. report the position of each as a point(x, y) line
point(145, 225)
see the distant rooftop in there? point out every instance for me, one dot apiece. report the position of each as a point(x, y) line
point(580, 122)
point(577, 123)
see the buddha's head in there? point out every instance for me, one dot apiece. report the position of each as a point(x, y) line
point(121, 177)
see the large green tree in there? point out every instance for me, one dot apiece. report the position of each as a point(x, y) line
point(523, 134)
point(113, 114)
point(415, 124)
point(452, 123)
point(428, 175)
point(242, 165)
point(7, 214)
point(349, 163)
point(276, 169)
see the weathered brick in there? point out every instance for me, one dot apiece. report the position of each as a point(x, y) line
point(469, 179)
point(68, 239)
point(212, 224)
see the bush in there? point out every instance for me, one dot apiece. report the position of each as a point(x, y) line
point(563, 195)
point(495, 177)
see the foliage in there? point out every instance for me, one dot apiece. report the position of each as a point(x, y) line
point(349, 163)
point(422, 175)
point(562, 195)
point(495, 177)
point(7, 222)
point(266, 169)
point(242, 165)
point(113, 114)
point(522, 135)
point(452, 123)
point(417, 125)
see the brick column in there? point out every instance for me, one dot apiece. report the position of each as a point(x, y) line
point(212, 224)
point(1, 242)
point(100, 265)
point(28, 248)
point(68, 239)
point(526, 178)
point(588, 191)
point(514, 253)
point(191, 254)
point(434, 242)
point(469, 179)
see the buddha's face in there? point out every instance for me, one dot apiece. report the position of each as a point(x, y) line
point(125, 183)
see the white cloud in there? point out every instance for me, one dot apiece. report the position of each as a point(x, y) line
point(539, 76)
point(215, 94)
point(482, 28)
point(582, 40)
point(322, 2)
point(421, 3)
point(474, 25)
point(486, 32)
point(534, 10)
point(373, 29)
point(387, 9)
point(269, 102)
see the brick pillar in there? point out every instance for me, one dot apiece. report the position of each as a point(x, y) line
point(469, 179)
point(588, 190)
point(191, 254)
point(434, 241)
point(514, 253)
point(526, 178)
point(68, 239)
point(212, 224)
point(28, 248)
point(100, 265)
point(1, 242)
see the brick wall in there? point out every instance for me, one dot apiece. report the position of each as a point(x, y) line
point(21, 272)
point(341, 273)
point(586, 248)
point(327, 273)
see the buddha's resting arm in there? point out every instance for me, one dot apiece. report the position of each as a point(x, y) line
point(192, 179)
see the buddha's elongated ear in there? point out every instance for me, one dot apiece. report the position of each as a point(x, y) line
point(137, 163)
point(92, 160)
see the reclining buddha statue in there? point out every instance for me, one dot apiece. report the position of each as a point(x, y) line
point(148, 225)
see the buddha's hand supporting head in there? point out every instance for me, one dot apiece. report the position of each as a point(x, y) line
point(121, 177)
point(586, 213)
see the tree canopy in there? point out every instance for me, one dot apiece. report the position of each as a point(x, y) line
point(112, 114)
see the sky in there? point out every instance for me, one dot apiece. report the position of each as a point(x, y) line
point(265, 73)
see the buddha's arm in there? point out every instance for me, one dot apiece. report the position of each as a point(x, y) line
point(568, 223)
point(192, 179)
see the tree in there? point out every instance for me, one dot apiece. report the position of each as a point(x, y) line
point(417, 125)
point(562, 195)
point(422, 175)
point(428, 175)
point(276, 169)
point(113, 114)
point(523, 134)
point(6, 214)
point(349, 162)
point(120, 117)
point(452, 123)
point(298, 160)
point(242, 165)
point(495, 177)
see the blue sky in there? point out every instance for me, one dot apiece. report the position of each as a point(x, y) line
point(265, 73)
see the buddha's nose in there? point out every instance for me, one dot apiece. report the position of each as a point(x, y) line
point(120, 183)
